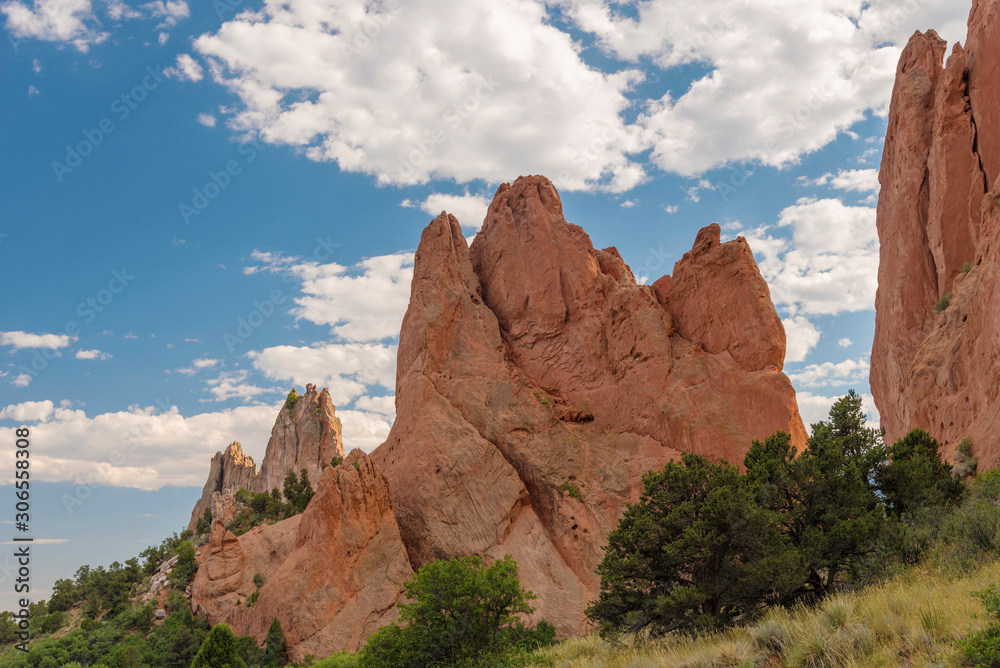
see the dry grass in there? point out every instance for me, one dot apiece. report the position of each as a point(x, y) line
point(912, 620)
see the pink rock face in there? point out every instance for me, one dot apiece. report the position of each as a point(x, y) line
point(536, 382)
point(938, 233)
point(332, 575)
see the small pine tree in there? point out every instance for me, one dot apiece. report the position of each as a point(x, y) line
point(218, 650)
point(274, 647)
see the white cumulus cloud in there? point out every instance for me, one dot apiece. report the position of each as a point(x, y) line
point(93, 355)
point(19, 340)
point(470, 210)
point(393, 90)
point(71, 21)
point(847, 372)
point(138, 447)
point(186, 69)
point(365, 302)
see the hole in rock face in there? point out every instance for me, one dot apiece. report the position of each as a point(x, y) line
point(574, 527)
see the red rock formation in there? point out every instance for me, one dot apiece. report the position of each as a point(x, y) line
point(229, 470)
point(938, 372)
point(536, 382)
point(306, 436)
point(332, 575)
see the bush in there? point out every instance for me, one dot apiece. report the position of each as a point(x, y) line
point(461, 613)
point(942, 303)
point(696, 552)
point(916, 477)
point(983, 647)
point(186, 566)
point(966, 268)
point(219, 650)
point(966, 464)
point(292, 399)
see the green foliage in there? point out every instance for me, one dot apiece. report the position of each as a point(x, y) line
point(338, 660)
point(205, 521)
point(982, 649)
point(942, 303)
point(298, 491)
point(263, 508)
point(827, 497)
point(966, 268)
point(696, 552)
point(8, 628)
point(219, 650)
point(186, 566)
point(572, 490)
point(291, 400)
point(274, 652)
point(64, 595)
point(916, 477)
point(258, 580)
point(155, 555)
point(336, 461)
point(706, 546)
point(461, 613)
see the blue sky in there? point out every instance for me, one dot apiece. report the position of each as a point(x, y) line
point(206, 204)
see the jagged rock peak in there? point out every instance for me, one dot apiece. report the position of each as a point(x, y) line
point(532, 363)
point(306, 435)
point(229, 470)
point(331, 575)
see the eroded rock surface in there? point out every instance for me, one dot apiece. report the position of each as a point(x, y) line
point(536, 382)
point(332, 575)
point(938, 232)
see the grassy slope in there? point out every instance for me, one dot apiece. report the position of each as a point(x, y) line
point(912, 620)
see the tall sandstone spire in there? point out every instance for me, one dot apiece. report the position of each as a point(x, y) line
point(938, 235)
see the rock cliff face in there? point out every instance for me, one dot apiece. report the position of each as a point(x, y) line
point(332, 575)
point(306, 436)
point(230, 470)
point(938, 232)
point(536, 382)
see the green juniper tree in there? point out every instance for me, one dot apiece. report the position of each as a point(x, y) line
point(697, 551)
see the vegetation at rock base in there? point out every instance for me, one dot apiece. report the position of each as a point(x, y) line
point(461, 613)
point(261, 508)
point(848, 553)
point(707, 546)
